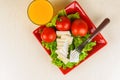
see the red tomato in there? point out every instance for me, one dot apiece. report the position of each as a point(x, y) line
point(48, 34)
point(79, 28)
point(63, 24)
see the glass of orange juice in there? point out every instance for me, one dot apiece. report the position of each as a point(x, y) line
point(40, 12)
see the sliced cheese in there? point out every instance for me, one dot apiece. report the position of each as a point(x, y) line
point(70, 40)
point(65, 36)
point(59, 47)
point(63, 52)
point(62, 58)
point(60, 44)
point(63, 44)
point(61, 40)
point(60, 33)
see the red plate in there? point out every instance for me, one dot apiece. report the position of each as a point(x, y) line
point(72, 8)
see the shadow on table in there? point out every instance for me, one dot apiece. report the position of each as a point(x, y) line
point(59, 4)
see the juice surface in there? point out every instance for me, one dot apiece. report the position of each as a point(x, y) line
point(40, 12)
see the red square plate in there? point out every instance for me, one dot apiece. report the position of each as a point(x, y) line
point(73, 8)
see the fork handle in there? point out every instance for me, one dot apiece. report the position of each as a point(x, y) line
point(100, 27)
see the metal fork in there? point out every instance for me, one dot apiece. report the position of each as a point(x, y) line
point(74, 55)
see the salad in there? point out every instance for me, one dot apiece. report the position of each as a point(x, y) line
point(63, 34)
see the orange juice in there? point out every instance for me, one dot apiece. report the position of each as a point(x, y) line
point(40, 12)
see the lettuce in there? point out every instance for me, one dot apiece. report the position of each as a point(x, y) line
point(51, 46)
point(88, 47)
point(76, 42)
point(53, 21)
point(62, 13)
point(57, 62)
point(73, 16)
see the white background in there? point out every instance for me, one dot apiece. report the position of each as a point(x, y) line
point(23, 58)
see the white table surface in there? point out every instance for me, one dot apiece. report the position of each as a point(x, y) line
point(22, 57)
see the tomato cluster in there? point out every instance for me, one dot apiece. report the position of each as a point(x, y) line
point(78, 27)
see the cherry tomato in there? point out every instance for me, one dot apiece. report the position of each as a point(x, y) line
point(79, 27)
point(48, 34)
point(63, 24)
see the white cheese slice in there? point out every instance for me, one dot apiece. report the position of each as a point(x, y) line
point(63, 44)
point(59, 47)
point(70, 40)
point(60, 33)
point(62, 58)
point(65, 36)
point(60, 44)
point(60, 40)
point(63, 52)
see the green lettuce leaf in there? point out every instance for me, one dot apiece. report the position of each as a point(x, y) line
point(83, 55)
point(77, 41)
point(57, 62)
point(89, 46)
point(53, 21)
point(70, 64)
point(51, 46)
point(73, 16)
point(62, 12)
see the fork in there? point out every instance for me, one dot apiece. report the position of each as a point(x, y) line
point(74, 55)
